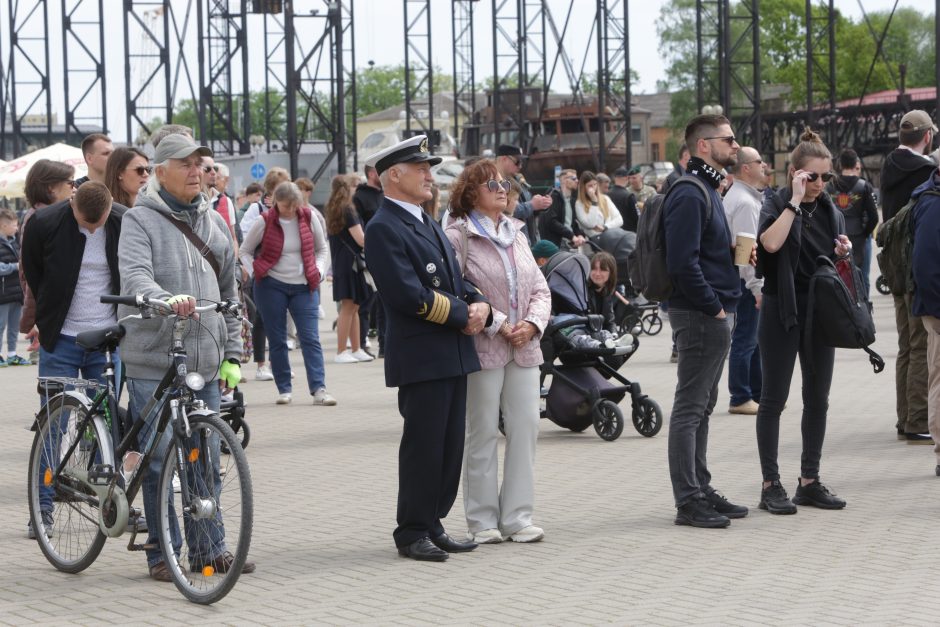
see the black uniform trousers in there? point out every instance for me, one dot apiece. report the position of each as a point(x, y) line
point(430, 456)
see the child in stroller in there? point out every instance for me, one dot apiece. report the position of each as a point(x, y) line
point(586, 387)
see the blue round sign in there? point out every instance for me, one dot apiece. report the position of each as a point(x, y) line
point(258, 170)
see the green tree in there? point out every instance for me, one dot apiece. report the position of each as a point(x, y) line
point(909, 41)
point(382, 86)
point(187, 113)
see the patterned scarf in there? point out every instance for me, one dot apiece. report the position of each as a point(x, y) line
point(698, 167)
point(503, 234)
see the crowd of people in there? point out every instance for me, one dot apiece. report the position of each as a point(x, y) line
point(458, 303)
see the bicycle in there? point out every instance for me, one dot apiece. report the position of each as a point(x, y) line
point(82, 488)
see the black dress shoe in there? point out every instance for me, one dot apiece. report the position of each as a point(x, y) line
point(700, 513)
point(423, 550)
point(446, 543)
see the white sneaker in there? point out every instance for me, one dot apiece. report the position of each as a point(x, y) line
point(361, 355)
point(346, 357)
point(528, 534)
point(487, 536)
point(322, 397)
point(368, 343)
point(283, 399)
point(291, 345)
point(320, 313)
point(264, 374)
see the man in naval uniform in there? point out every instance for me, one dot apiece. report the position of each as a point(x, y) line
point(431, 314)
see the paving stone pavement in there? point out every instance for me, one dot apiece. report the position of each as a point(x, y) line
point(325, 489)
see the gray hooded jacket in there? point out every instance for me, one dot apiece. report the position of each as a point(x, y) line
point(155, 259)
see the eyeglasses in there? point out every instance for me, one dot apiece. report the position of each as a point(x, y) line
point(728, 139)
point(571, 178)
point(494, 185)
point(141, 170)
point(516, 162)
point(71, 182)
point(826, 176)
point(761, 161)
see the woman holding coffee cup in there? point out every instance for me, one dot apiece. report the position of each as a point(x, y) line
point(797, 224)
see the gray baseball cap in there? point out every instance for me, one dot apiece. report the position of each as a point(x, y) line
point(178, 147)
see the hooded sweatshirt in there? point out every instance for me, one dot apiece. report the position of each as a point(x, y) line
point(902, 172)
point(155, 259)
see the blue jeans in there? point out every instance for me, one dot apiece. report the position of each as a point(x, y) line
point(702, 342)
point(274, 299)
point(212, 536)
point(744, 374)
point(865, 266)
point(10, 317)
point(68, 359)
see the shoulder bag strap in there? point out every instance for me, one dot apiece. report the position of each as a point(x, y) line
point(200, 245)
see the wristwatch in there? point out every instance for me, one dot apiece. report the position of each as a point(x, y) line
point(794, 208)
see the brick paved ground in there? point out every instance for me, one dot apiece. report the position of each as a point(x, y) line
point(325, 486)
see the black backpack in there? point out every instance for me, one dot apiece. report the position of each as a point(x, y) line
point(838, 314)
point(896, 238)
point(647, 266)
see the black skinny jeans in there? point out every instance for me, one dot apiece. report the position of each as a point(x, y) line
point(779, 349)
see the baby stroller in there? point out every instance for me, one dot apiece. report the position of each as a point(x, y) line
point(586, 387)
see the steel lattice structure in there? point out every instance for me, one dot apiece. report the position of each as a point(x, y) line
point(84, 63)
point(223, 48)
point(27, 90)
point(419, 73)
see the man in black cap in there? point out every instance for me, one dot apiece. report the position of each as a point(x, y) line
point(623, 199)
point(509, 163)
point(431, 315)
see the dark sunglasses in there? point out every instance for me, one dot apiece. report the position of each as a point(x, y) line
point(826, 176)
point(71, 182)
point(143, 169)
point(493, 185)
point(728, 139)
point(208, 168)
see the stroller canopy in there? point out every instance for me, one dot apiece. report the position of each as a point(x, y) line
point(567, 276)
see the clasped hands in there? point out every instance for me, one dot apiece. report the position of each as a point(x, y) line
point(519, 335)
point(478, 314)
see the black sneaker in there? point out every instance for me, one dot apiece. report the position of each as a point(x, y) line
point(817, 495)
point(774, 499)
point(700, 513)
point(723, 506)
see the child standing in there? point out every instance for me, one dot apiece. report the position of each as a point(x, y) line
point(11, 293)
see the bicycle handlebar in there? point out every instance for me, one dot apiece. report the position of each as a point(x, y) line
point(229, 307)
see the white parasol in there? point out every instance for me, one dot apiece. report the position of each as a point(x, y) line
point(13, 173)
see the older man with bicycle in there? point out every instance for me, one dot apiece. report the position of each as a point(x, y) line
point(175, 249)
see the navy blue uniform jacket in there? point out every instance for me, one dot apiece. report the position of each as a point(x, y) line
point(426, 300)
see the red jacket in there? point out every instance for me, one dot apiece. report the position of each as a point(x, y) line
point(272, 243)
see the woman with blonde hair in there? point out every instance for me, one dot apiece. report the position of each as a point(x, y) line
point(350, 289)
point(494, 254)
point(285, 250)
point(797, 224)
point(595, 210)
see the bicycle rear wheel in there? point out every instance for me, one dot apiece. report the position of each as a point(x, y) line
point(63, 511)
point(205, 539)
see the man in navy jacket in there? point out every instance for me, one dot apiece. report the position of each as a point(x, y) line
point(701, 310)
point(926, 226)
point(431, 315)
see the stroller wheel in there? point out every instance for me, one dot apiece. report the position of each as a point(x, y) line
point(652, 323)
point(647, 417)
point(882, 286)
point(242, 432)
point(608, 420)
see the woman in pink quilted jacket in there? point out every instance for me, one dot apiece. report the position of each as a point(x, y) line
point(494, 254)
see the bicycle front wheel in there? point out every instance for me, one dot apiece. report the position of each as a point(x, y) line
point(205, 529)
point(63, 512)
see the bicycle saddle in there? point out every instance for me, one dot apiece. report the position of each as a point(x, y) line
point(100, 340)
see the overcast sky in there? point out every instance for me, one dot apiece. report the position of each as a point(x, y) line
point(379, 37)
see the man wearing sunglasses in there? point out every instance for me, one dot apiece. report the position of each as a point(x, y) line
point(558, 222)
point(509, 163)
point(706, 290)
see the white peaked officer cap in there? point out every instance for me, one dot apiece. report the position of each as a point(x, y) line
point(414, 150)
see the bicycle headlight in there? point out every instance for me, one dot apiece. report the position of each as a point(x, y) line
point(195, 381)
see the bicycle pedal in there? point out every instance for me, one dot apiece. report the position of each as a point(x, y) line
point(142, 547)
point(101, 474)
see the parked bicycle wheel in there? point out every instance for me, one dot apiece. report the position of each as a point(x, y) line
point(652, 323)
point(205, 529)
point(64, 514)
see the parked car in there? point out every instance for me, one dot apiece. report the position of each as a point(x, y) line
point(445, 173)
point(656, 171)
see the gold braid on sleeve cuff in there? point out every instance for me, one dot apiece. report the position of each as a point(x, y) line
point(440, 309)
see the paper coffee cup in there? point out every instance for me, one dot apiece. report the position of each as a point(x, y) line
point(743, 245)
